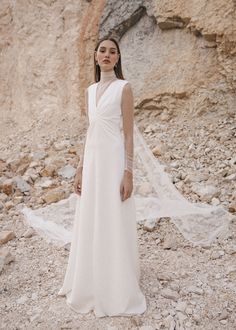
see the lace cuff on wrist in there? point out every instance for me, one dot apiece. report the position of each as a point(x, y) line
point(129, 162)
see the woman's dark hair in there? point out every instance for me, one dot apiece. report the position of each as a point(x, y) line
point(117, 68)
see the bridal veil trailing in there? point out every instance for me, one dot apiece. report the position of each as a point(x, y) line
point(155, 197)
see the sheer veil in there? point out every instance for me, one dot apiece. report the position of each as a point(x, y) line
point(155, 197)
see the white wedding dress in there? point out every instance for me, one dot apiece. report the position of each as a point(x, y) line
point(103, 269)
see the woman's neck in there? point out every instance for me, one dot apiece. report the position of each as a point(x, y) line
point(107, 76)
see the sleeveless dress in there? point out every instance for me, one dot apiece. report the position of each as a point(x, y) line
point(103, 269)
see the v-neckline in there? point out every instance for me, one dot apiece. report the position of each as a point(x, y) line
point(96, 105)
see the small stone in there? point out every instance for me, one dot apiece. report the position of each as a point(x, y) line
point(149, 225)
point(189, 310)
point(157, 316)
point(174, 286)
point(232, 207)
point(230, 270)
point(3, 166)
point(9, 205)
point(56, 161)
point(31, 175)
point(33, 164)
point(18, 199)
point(136, 321)
point(232, 161)
point(39, 155)
point(181, 306)
point(166, 276)
point(224, 322)
point(217, 254)
point(179, 185)
point(164, 313)
point(72, 150)
point(170, 322)
point(181, 316)
point(7, 187)
point(21, 184)
point(215, 201)
point(169, 294)
point(54, 195)
point(158, 150)
point(5, 258)
point(67, 172)
point(164, 117)
point(48, 170)
point(188, 324)
point(194, 289)
point(29, 232)
point(205, 192)
point(22, 168)
point(149, 129)
point(158, 240)
point(224, 315)
point(67, 246)
point(196, 317)
point(175, 164)
point(230, 178)
point(6, 235)
point(19, 163)
point(62, 145)
point(170, 244)
point(34, 296)
point(3, 197)
point(166, 23)
point(196, 177)
point(34, 317)
point(192, 302)
point(231, 249)
point(44, 183)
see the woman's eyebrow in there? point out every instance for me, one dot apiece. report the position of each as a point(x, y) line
point(113, 48)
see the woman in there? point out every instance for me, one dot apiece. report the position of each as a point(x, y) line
point(103, 270)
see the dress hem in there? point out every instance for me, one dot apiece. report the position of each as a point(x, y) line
point(93, 309)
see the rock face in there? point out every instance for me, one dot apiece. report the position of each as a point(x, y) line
point(177, 54)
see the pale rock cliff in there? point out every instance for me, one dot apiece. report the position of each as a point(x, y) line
point(179, 55)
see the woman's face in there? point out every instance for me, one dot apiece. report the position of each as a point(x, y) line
point(107, 55)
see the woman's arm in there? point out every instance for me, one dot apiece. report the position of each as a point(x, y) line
point(127, 107)
point(78, 176)
point(85, 120)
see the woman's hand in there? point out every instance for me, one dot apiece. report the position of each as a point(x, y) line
point(126, 186)
point(78, 182)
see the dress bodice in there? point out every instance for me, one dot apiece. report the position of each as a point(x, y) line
point(109, 104)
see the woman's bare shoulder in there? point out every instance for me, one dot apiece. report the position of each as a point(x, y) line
point(127, 86)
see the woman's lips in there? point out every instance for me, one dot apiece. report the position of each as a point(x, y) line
point(106, 61)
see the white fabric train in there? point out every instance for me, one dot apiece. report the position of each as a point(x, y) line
point(155, 197)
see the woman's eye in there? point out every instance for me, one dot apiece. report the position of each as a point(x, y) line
point(103, 50)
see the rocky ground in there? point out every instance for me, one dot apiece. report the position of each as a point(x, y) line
point(186, 287)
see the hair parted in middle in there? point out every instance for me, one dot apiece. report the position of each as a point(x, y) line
point(117, 67)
